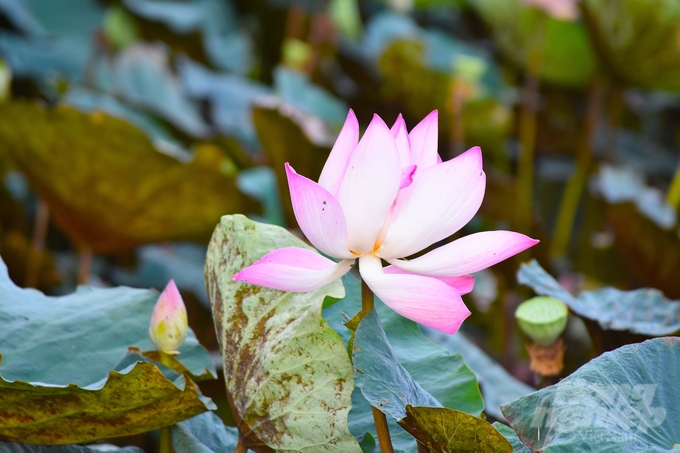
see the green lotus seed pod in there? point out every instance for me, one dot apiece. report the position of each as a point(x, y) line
point(543, 319)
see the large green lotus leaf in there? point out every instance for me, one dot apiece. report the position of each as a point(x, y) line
point(511, 436)
point(80, 337)
point(137, 399)
point(107, 187)
point(439, 372)
point(12, 447)
point(626, 400)
point(288, 374)
point(498, 386)
point(640, 34)
point(387, 385)
point(288, 136)
point(444, 430)
point(382, 379)
point(567, 57)
point(204, 433)
point(64, 358)
point(642, 311)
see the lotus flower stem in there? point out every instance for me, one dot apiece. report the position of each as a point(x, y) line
point(84, 266)
point(615, 109)
point(366, 299)
point(575, 185)
point(525, 167)
point(378, 417)
point(673, 195)
point(240, 448)
point(527, 129)
point(165, 440)
point(42, 221)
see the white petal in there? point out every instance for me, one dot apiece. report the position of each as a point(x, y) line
point(440, 201)
point(400, 135)
point(336, 164)
point(424, 139)
point(425, 300)
point(468, 254)
point(293, 269)
point(319, 215)
point(369, 186)
point(462, 284)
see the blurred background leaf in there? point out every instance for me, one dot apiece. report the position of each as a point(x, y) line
point(172, 200)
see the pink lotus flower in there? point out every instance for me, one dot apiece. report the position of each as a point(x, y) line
point(388, 197)
point(168, 328)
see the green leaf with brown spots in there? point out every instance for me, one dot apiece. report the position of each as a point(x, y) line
point(135, 400)
point(288, 374)
point(107, 187)
point(444, 430)
point(67, 375)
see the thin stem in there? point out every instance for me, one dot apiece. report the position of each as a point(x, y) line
point(84, 266)
point(673, 195)
point(615, 108)
point(378, 417)
point(422, 448)
point(240, 448)
point(42, 221)
point(527, 130)
point(577, 182)
point(527, 139)
point(383, 431)
point(165, 441)
point(366, 299)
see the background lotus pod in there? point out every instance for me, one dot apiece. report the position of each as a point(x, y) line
point(168, 328)
point(542, 318)
point(639, 34)
point(107, 188)
point(566, 54)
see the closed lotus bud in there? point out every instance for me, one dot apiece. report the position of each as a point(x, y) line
point(169, 324)
point(543, 319)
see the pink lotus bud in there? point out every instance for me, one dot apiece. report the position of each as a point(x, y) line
point(168, 328)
